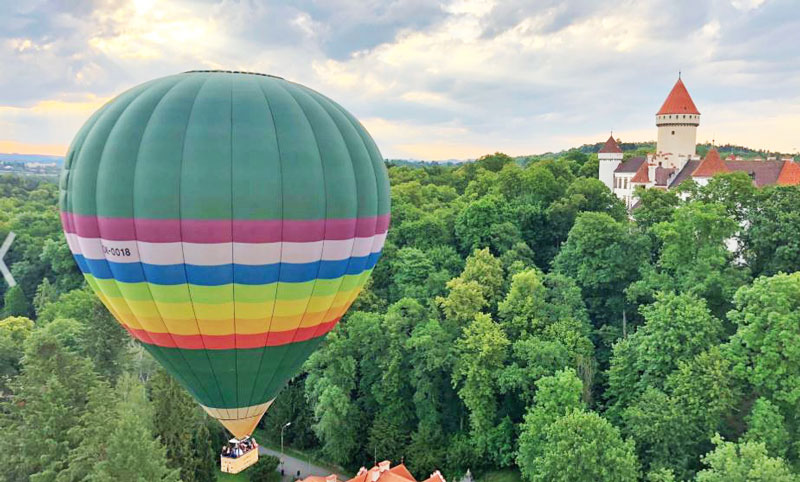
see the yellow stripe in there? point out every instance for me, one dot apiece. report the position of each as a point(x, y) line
point(224, 326)
point(218, 311)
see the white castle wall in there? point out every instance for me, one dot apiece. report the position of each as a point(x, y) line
point(677, 138)
point(608, 163)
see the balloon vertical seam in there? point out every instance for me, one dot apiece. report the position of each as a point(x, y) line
point(233, 259)
point(185, 273)
point(200, 386)
point(352, 249)
point(325, 200)
point(280, 254)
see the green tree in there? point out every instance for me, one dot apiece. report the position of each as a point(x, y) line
point(547, 338)
point(412, 269)
point(393, 391)
point(485, 269)
point(56, 254)
point(47, 399)
point(482, 352)
point(661, 431)
point(335, 428)
point(767, 317)
point(768, 242)
point(583, 195)
point(178, 420)
point(266, 470)
point(45, 294)
point(733, 190)
point(13, 333)
point(582, 446)
point(16, 303)
point(766, 424)
point(676, 328)
point(743, 462)
point(556, 396)
point(522, 309)
point(473, 226)
point(494, 162)
point(101, 337)
point(132, 453)
point(603, 256)
point(694, 257)
point(291, 405)
point(655, 206)
point(91, 433)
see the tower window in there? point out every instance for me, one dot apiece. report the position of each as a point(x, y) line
point(673, 133)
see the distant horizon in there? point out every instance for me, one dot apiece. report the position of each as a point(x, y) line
point(458, 160)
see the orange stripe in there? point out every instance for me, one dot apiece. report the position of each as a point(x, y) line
point(231, 342)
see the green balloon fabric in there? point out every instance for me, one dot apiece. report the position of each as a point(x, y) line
point(227, 220)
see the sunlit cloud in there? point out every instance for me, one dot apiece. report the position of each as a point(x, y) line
point(146, 30)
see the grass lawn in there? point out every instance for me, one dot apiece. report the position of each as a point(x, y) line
point(240, 477)
point(508, 475)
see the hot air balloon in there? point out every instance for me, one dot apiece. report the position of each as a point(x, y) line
point(227, 220)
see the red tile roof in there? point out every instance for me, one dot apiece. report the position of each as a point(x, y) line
point(383, 472)
point(711, 164)
point(790, 174)
point(641, 175)
point(678, 101)
point(402, 471)
point(435, 477)
point(610, 146)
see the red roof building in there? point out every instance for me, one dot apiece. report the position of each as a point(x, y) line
point(383, 472)
point(678, 101)
point(790, 174)
point(610, 147)
point(641, 176)
point(710, 165)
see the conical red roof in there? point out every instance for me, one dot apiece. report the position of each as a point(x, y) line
point(678, 101)
point(790, 174)
point(610, 147)
point(711, 164)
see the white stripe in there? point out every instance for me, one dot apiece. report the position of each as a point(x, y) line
point(96, 248)
point(215, 254)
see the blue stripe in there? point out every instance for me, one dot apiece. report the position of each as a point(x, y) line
point(224, 274)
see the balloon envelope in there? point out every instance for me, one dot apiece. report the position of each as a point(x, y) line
point(227, 220)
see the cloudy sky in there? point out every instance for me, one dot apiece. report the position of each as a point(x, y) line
point(429, 79)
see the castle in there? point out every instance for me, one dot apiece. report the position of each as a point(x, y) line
point(676, 159)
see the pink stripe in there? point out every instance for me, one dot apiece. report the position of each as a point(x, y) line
point(219, 231)
point(231, 342)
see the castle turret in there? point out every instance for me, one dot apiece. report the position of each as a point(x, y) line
point(609, 156)
point(677, 122)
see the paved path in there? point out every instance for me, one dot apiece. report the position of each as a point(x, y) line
point(293, 464)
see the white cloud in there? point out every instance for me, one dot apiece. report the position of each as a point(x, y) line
point(441, 80)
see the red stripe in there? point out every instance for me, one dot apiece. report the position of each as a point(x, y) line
point(222, 230)
point(232, 342)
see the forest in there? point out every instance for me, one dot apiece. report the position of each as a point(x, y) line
point(519, 322)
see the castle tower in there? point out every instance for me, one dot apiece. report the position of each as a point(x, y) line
point(677, 122)
point(610, 156)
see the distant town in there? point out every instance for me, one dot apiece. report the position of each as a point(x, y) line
point(24, 164)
